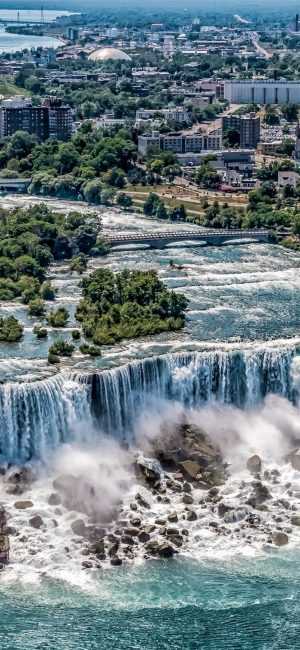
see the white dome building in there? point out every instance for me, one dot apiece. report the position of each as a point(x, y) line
point(109, 53)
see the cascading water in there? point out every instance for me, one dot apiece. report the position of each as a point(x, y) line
point(36, 417)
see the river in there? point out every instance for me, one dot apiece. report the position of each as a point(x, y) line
point(234, 368)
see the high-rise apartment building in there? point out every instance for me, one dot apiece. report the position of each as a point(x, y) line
point(51, 119)
point(247, 126)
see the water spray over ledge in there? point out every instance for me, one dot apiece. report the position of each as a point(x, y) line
point(36, 418)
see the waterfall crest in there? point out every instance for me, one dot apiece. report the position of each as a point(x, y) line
point(37, 417)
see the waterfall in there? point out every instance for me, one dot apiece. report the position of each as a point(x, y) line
point(37, 417)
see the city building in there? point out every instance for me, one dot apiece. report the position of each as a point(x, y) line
point(290, 178)
point(72, 34)
point(60, 119)
point(178, 115)
point(51, 119)
point(262, 91)
point(247, 126)
point(180, 143)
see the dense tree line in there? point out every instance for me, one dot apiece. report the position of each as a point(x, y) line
point(127, 305)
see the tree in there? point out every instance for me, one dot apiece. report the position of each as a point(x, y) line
point(232, 136)
point(290, 112)
point(92, 191)
point(124, 201)
point(66, 158)
point(58, 317)
point(20, 145)
point(151, 204)
point(10, 329)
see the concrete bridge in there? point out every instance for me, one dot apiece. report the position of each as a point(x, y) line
point(210, 237)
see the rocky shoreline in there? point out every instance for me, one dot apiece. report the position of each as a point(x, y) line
point(179, 497)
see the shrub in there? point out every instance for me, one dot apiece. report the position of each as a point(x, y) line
point(36, 307)
point(53, 358)
point(92, 350)
point(40, 332)
point(47, 292)
point(76, 335)
point(79, 263)
point(58, 317)
point(62, 348)
point(10, 329)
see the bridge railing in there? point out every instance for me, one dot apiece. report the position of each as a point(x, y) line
point(186, 235)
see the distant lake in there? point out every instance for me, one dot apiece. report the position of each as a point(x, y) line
point(32, 15)
point(18, 42)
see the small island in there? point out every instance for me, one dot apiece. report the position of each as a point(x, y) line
point(126, 305)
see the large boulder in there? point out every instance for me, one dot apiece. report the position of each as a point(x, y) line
point(23, 505)
point(36, 521)
point(149, 469)
point(295, 520)
point(254, 464)
point(160, 549)
point(280, 539)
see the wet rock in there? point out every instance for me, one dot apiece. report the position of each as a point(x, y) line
point(223, 508)
point(187, 499)
point(133, 506)
point(78, 527)
point(160, 522)
point(135, 522)
point(54, 499)
point(295, 520)
point(254, 464)
point(191, 515)
point(132, 532)
point(172, 531)
point(186, 487)
point(177, 540)
point(143, 537)
point(280, 539)
point(173, 517)
point(213, 492)
point(173, 485)
point(149, 469)
point(160, 549)
point(36, 521)
point(113, 549)
point(23, 505)
point(141, 501)
point(98, 548)
point(126, 539)
point(190, 468)
point(86, 564)
point(115, 561)
point(149, 529)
